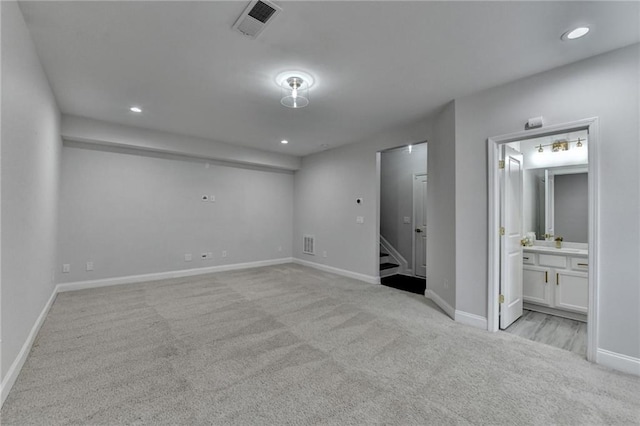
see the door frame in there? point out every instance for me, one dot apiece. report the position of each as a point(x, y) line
point(413, 224)
point(493, 150)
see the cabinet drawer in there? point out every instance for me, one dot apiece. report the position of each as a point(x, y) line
point(529, 258)
point(552, 260)
point(580, 263)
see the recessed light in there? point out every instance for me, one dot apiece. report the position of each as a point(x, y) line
point(284, 142)
point(575, 33)
point(135, 109)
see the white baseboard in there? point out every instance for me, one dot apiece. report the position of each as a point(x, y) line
point(620, 362)
point(131, 279)
point(14, 370)
point(471, 319)
point(441, 303)
point(349, 274)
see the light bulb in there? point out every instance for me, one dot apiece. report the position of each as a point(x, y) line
point(294, 92)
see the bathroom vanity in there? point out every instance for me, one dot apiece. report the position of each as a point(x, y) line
point(555, 281)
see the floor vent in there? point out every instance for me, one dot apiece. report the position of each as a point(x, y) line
point(308, 244)
point(255, 17)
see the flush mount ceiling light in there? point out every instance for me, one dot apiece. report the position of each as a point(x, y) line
point(284, 142)
point(295, 92)
point(294, 88)
point(575, 33)
point(135, 109)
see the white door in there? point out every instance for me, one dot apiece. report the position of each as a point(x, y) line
point(420, 225)
point(511, 235)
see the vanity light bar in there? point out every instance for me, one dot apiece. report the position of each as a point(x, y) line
point(561, 145)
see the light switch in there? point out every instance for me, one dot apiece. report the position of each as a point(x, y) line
point(212, 198)
point(359, 219)
point(66, 268)
point(90, 266)
point(407, 219)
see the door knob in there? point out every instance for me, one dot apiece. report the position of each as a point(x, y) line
point(418, 230)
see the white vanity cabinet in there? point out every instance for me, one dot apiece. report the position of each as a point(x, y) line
point(557, 281)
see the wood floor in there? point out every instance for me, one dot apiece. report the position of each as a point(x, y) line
point(552, 330)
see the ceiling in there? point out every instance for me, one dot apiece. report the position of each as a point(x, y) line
point(377, 65)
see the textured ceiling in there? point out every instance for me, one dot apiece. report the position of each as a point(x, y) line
point(377, 65)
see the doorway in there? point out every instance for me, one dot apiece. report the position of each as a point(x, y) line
point(526, 270)
point(402, 214)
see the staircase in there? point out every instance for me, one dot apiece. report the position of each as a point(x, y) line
point(388, 265)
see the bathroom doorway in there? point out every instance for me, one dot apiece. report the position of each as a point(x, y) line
point(542, 258)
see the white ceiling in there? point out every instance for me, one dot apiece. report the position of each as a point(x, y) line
point(377, 65)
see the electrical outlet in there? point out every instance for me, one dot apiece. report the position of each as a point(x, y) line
point(66, 268)
point(359, 219)
point(212, 198)
point(324, 253)
point(209, 255)
point(224, 253)
point(188, 257)
point(446, 283)
point(279, 248)
point(90, 265)
point(205, 198)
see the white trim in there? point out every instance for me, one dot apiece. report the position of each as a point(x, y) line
point(343, 272)
point(131, 279)
point(591, 125)
point(16, 367)
point(404, 265)
point(430, 294)
point(471, 319)
point(620, 362)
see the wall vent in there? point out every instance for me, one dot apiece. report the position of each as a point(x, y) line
point(309, 244)
point(255, 17)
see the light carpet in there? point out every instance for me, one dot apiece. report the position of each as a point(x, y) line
point(292, 345)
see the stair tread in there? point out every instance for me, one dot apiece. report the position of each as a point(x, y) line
point(388, 265)
point(383, 254)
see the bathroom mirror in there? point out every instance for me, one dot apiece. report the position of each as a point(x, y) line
point(555, 202)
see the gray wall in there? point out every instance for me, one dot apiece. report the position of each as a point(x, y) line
point(29, 191)
point(326, 188)
point(441, 207)
point(605, 86)
point(133, 212)
point(397, 168)
point(571, 207)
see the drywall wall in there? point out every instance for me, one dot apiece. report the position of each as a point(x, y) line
point(29, 190)
point(605, 86)
point(135, 212)
point(87, 130)
point(397, 170)
point(441, 226)
point(570, 207)
point(326, 188)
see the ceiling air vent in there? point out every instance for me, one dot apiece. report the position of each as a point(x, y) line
point(255, 17)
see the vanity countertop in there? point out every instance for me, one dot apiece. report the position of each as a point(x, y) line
point(565, 251)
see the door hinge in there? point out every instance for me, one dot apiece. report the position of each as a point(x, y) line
point(501, 164)
point(501, 298)
point(502, 230)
